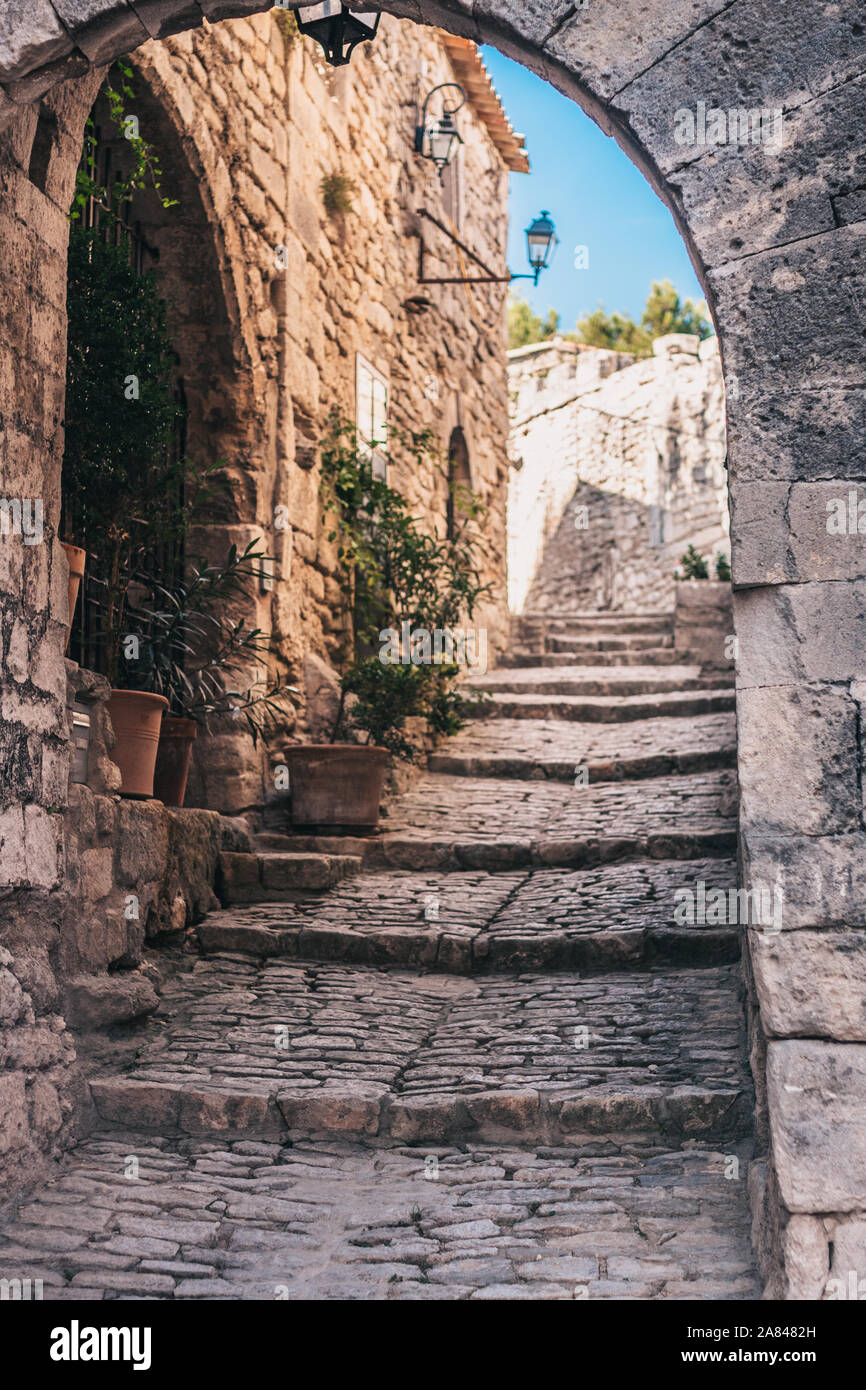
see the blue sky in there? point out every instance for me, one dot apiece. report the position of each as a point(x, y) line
point(597, 198)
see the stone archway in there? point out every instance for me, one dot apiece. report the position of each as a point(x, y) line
point(777, 235)
point(196, 263)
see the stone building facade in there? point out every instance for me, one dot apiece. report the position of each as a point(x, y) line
point(617, 466)
point(777, 235)
point(281, 307)
point(284, 305)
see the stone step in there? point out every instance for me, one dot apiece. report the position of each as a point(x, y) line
point(603, 619)
point(614, 917)
point(453, 823)
point(651, 641)
point(264, 876)
point(600, 708)
point(632, 633)
point(235, 1221)
point(588, 681)
point(592, 656)
point(554, 750)
point(620, 769)
point(275, 1048)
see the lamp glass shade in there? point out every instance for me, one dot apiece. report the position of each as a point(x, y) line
point(443, 140)
point(541, 240)
point(338, 29)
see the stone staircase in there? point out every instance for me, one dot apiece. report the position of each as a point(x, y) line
point(491, 999)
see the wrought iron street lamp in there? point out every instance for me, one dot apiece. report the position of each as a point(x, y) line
point(337, 28)
point(541, 244)
point(438, 140)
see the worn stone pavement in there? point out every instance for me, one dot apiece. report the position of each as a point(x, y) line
point(487, 1064)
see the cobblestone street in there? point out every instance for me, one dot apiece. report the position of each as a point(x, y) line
point(474, 1057)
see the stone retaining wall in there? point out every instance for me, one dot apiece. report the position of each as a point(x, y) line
point(617, 467)
point(132, 871)
point(704, 624)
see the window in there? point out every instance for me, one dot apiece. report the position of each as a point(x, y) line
point(459, 482)
point(659, 527)
point(371, 392)
point(41, 150)
point(452, 189)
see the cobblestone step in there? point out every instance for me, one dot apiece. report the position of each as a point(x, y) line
point(602, 622)
point(593, 656)
point(472, 1056)
point(452, 823)
point(629, 644)
point(228, 1219)
point(588, 680)
point(267, 1048)
point(601, 709)
point(266, 875)
point(554, 750)
point(617, 917)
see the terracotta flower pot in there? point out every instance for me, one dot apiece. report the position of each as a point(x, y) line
point(76, 558)
point(173, 759)
point(336, 787)
point(136, 716)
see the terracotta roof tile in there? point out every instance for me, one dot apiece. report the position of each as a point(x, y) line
point(482, 96)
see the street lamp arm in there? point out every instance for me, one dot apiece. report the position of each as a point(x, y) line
point(448, 112)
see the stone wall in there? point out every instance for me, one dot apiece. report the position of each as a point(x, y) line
point(704, 624)
point(617, 466)
point(132, 871)
point(270, 297)
point(252, 121)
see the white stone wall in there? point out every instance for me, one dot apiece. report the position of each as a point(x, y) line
point(616, 467)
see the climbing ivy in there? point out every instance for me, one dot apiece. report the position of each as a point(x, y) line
point(145, 170)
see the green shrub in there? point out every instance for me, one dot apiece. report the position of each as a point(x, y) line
point(395, 570)
point(693, 566)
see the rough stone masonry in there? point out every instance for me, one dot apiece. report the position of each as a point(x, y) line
point(616, 466)
point(777, 233)
point(273, 303)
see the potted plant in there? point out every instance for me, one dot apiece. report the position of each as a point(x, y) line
point(398, 577)
point(198, 657)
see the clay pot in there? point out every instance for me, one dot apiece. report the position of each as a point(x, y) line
point(336, 787)
point(173, 758)
point(136, 716)
point(76, 558)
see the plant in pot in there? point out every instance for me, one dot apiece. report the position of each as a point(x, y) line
point(199, 658)
point(398, 578)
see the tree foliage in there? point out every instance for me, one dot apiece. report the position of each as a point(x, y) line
point(663, 313)
point(525, 327)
